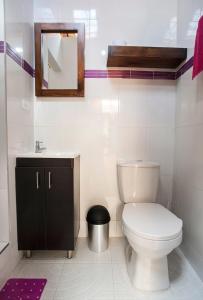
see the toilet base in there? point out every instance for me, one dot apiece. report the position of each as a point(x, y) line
point(147, 274)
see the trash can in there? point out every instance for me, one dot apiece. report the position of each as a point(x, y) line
point(98, 219)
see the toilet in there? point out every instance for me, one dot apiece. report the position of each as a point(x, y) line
point(152, 231)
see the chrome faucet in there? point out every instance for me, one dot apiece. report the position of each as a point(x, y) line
point(38, 148)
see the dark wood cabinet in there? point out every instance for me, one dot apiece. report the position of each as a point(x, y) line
point(30, 207)
point(48, 203)
point(59, 208)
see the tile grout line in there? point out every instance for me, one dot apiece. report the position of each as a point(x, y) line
point(115, 292)
point(112, 271)
point(59, 278)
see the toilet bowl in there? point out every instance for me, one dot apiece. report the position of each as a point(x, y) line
point(152, 230)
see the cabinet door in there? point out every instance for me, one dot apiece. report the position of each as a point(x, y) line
point(30, 195)
point(59, 208)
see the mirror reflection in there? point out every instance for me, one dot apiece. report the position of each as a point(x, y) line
point(60, 60)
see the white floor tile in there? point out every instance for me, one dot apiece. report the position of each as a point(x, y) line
point(117, 248)
point(185, 284)
point(34, 269)
point(122, 286)
point(84, 255)
point(50, 271)
point(85, 281)
point(92, 276)
point(48, 256)
point(48, 294)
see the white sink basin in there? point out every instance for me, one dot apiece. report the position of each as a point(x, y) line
point(49, 155)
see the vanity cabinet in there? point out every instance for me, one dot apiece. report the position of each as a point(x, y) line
point(48, 203)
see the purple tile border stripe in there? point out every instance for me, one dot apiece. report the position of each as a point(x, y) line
point(185, 68)
point(136, 74)
point(12, 53)
point(107, 73)
point(2, 47)
point(45, 83)
point(128, 74)
point(28, 68)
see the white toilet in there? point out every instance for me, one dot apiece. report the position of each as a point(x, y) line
point(151, 230)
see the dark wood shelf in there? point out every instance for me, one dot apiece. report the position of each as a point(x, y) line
point(146, 57)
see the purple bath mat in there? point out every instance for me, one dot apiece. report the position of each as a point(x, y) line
point(23, 289)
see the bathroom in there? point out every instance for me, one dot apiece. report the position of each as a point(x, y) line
point(121, 117)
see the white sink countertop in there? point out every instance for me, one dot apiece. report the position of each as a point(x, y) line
point(47, 154)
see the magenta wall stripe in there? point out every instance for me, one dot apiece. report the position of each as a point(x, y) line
point(2, 46)
point(28, 68)
point(11, 52)
point(128, 74)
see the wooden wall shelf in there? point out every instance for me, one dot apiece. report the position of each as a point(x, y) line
point(146, 57)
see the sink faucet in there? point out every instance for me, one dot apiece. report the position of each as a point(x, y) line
point(38, 148)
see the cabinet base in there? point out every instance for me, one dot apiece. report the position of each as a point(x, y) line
point(69, 254)
point(28, 253)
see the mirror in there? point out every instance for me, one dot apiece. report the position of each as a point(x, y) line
point(59, 59)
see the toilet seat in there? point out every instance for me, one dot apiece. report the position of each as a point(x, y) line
point(151, 221)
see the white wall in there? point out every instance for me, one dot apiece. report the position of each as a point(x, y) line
point(118, 118)
point(2, 20)
point(146, 22)
point(19, 34)
point(4, 223)
point(188, 179)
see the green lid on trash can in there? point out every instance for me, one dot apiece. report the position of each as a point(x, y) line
point(98, 215)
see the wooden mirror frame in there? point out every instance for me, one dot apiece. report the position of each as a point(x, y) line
point(40, 28)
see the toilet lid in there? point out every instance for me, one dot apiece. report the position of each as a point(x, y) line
point(151, 221)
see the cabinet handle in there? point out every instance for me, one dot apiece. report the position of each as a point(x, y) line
point(37, 180)
point(49, 180)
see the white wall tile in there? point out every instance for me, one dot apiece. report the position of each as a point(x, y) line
point(132, 143)
point(3, 127)
point(188, 161)
point(111, 123)
point(161, 147)
point(189, 12)
point(118, 118)
point(19, 92)
point(19, 27)
point(165, 191)
point(98, 19)
point(1, 21)
point(4, 214)
point(4, 221)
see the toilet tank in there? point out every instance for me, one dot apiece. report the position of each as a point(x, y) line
point(138, 181)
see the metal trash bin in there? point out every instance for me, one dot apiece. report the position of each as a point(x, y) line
point(98, 219)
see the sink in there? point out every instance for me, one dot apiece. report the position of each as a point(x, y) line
point(47, 154)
